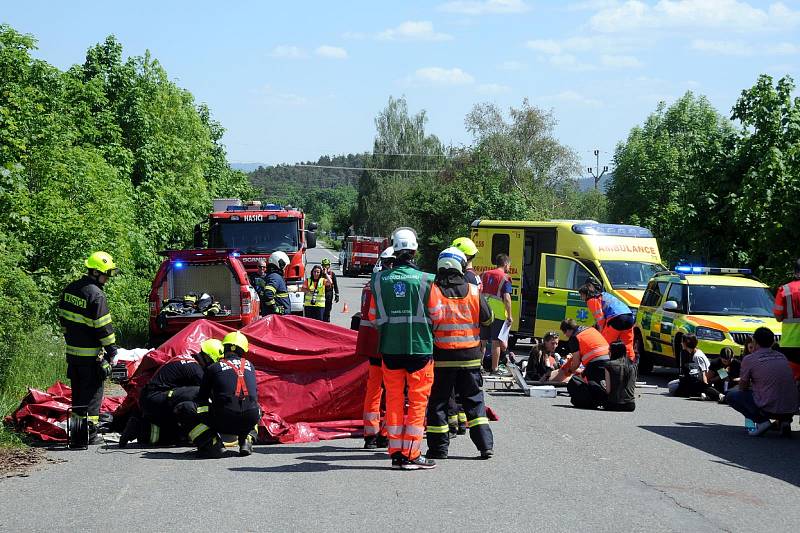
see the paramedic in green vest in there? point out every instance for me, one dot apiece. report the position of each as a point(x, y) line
point(314, 289)
point(399, 312)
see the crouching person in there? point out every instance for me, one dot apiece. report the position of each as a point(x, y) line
point(590, 349)
point(620, 380)
point(457, 311)
point(177, 381)
point(227, 402)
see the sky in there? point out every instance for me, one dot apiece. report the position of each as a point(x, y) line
point(291, 81)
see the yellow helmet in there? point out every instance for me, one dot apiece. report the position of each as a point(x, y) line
point(102, 262)
point(212, 348)
point(466, 245)
point(236, 338)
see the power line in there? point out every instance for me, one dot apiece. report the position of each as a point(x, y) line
point(365, 168)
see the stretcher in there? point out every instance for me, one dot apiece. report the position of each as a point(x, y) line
point(516, 383)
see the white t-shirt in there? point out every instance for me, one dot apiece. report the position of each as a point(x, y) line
point(700, 359)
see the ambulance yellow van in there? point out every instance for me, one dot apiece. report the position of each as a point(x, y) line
point(551, 260)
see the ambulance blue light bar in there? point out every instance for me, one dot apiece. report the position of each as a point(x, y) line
point(688, 269)
point(178, 264)
point(612, 230)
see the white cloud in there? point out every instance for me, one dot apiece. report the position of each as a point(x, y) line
point(574, 97)
point(285, 51)
point(412, 30)
point(493, 88)
point(613, 61)
point(331, 52)
point(728, 15)
point(442, 76)
point(512, 66)
point(485, 7)
point(548, 46)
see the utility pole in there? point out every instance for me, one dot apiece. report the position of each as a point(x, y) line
point(594, 173)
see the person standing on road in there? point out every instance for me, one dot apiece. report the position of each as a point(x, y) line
point(400, 313)
point(176, 381)
point(274, 294)
point(90, 340)
point(375, 435)
point(767, 389)
point(496, 286)
point(227, 402)
point(613, 318)
point(787, 312)
point(590, 349)
point(314, 289)
point(457, 311)
point(331, 288)
point(468, 248)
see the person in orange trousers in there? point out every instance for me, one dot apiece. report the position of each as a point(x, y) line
point(367, 346)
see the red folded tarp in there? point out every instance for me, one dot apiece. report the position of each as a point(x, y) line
point(310, 382)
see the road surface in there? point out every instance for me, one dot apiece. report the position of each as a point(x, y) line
point(672, 465)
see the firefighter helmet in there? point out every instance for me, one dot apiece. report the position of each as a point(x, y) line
point(466, 245)
point(212, 348)
point(237, 340)
point(279, 259)
point(102, 262)
point(326, 262)
point(404, 239)
point(452, 258)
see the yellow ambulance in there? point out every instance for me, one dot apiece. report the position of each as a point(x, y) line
point(551, 260)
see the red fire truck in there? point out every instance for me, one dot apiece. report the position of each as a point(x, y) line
point(256, 230)
point(359, 254)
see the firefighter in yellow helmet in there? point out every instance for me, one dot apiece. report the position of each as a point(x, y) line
point(89, 338)
point(227, 402)
point(176, 381)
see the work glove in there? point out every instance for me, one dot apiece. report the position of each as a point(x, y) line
point(110, 353)
point(104, 370)
point(336, 298)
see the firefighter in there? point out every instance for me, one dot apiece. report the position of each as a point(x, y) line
point(457, 311)
point(176, 381)
point(275, 297)
point(367, 346)
point(314, 289)
point(331, 289)
point(400, 314)
point(612, 317)
point(787, 312)
point(227, 402)
point(89, 336)
point(468, 248)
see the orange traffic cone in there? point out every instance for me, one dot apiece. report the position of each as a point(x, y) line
point(345, 308)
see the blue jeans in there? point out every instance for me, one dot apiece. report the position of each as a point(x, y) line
point(742, 401)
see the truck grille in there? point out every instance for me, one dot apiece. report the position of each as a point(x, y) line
point(740, 337)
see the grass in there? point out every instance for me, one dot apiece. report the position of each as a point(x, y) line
point(330, 243)
point(38, 366)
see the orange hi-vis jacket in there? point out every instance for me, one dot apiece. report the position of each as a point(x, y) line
point(456, 321)
point(787, 310)
point(592, 345)
point(367, 341)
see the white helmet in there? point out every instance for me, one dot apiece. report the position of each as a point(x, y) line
point(279, 259)
point(452, 258)
point(404, 239)
point(388, 253)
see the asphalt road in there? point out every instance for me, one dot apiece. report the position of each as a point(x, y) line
point(672, 465)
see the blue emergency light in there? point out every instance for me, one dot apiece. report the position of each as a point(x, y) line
point(689, 269)
point(236, 254)
point(178, 264)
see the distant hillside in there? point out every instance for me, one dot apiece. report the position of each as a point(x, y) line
point(281, 177)
point(245, 167)
point(585, 184)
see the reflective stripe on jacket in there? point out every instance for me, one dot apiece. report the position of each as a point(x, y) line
point(592, 345)
point(787, 310)
point(84, 315)
point(311, 289)
point(456, 321)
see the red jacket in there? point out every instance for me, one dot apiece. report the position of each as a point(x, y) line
point(367, 342)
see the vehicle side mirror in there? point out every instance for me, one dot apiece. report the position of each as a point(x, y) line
point(313, 226)
point(198, 236)
point(671, 305)
point(311, 239)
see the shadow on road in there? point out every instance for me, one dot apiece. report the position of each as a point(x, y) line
point(284, 449)
point(306, 467)
point(767, 454)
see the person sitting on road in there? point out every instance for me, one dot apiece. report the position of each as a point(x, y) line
point(695, 375)
point(620, 380)
point(544, 361)
point(725, 371)
point(588, 348)
point(767, 389)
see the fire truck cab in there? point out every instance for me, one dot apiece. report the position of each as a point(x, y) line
point(255, 230)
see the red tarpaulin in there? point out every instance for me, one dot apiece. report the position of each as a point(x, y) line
point(310, 382)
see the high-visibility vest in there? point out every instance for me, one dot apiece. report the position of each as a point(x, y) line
point(456, 321)
point(606, 306)
point(367, 340)
point(591, 345)
point(787, 307)
point(319, 290)
point(492, 282)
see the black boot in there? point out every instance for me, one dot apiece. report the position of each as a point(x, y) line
point(131, 431)
point(370, 442)
point(381, 441)
point(245, 446)
point(213, 450)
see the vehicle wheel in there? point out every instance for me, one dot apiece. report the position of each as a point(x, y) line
point(645, 359)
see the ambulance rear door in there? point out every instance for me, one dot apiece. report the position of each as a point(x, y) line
point(560, 277)
point(538, 241)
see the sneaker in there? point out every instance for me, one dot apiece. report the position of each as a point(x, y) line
point(502, 371)
point(97, 439)
point(397, 460)
point(246, 446)
point(420, 463)
point(131, 431)
point(370, 443)
point(436, 455)
point(382, 442)
point(759, 429)
point(487, 454)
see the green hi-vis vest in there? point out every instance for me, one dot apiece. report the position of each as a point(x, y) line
point(319, 290)
point(401, 297)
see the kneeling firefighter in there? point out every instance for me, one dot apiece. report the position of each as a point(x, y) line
point(175, 382)
point(226, 403)
point(275, 295)
point(457, 311)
